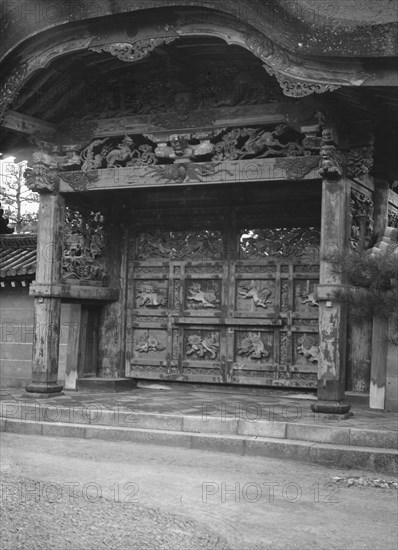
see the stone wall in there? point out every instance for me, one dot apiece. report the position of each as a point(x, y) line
point(16, 333)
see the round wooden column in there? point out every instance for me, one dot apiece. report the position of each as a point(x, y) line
point(44, 179)
point(332, 314)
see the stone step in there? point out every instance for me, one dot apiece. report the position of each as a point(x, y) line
point(117, 416)
point(344, 456)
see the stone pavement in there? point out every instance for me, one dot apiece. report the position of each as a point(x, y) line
point(244, 421)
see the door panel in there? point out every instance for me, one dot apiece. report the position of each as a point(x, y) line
point(229, 307)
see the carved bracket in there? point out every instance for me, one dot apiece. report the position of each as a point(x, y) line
point(134, 51)
point(331, 163)
point(43, 177)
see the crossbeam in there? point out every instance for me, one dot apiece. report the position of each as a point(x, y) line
point(194, 173)
point(26, 124)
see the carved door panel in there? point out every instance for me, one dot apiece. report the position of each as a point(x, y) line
point(228, 307)
point(177, 292)
point(273, 316)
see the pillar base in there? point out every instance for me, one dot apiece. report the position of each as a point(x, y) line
point(41, 395)
point(42, 390)
point(331, 407)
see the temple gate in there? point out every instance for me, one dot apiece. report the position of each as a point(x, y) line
point(193, 204)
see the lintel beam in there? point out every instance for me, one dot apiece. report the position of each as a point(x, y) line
point(74, 292)
point(26, 124)
point(279, 169)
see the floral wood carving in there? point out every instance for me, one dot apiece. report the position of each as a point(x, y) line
point(10, 87)
point(178, 245)
point(147, 343)
point(148, 296)
point(131, 52)
point(295, 242)
point(298, 167)
point(202, 298)
point(392, 218)
point(359, 161)
point(253, 347)
point(259, 296)
point(299, 88)
point(201, 347)
point(80, 181)
point(84, 248)
point(361, 207)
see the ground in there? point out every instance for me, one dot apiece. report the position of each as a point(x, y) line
point(77, 494)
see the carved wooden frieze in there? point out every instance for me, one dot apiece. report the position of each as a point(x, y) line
point(299, 243)
point(179, 245)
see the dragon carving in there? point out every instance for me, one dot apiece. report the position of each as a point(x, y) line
point(202, 298)
point(259, 297)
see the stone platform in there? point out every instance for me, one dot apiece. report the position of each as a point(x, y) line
point(245, 421)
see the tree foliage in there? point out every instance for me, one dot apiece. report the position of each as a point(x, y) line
point(20, 204)
point(374, 290)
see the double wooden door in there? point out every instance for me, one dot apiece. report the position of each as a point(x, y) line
point(236, 306)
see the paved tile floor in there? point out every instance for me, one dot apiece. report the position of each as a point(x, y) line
point(220, 402)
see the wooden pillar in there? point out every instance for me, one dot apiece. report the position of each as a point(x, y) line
point(378, 370)
point(332, 313)
point(72, 355)
point(43, 178)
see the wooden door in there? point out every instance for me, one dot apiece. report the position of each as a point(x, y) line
point(224, 306)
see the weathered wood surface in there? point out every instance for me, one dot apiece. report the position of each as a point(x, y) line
point(112, 331)
point(74, 292)
point(269, 113)
point(25, 124)
point(72, 355)
point(47, 309)
point(292, 168)
point(332, 315)
point(360, 351)
point(378, 364)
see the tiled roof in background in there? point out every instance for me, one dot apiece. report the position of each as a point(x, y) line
point(17, 256)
